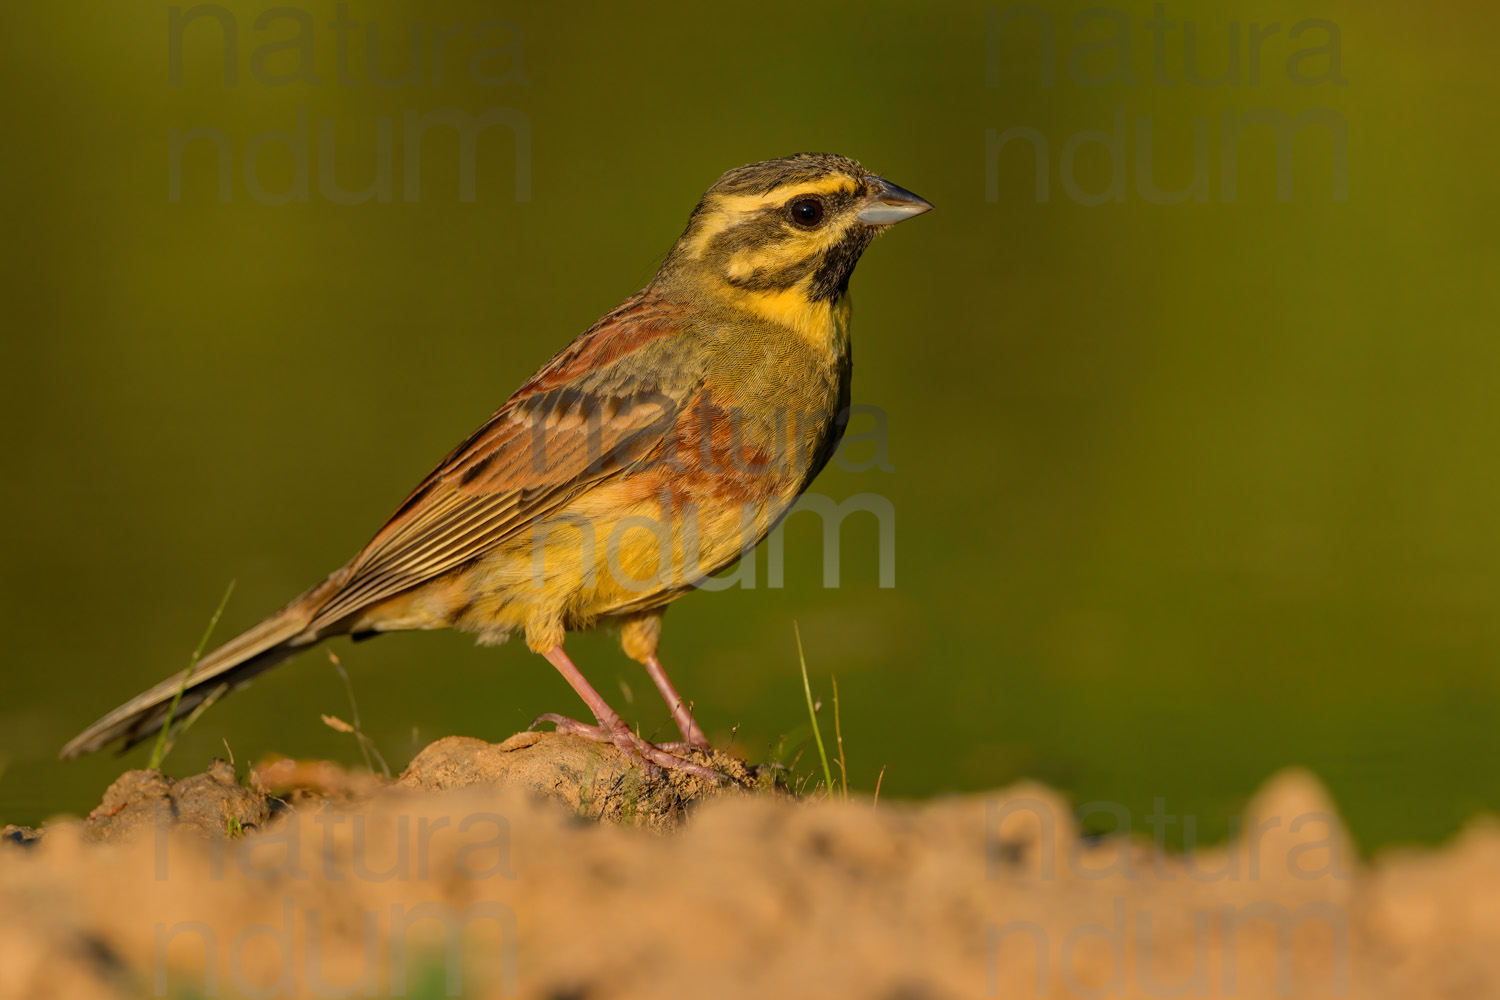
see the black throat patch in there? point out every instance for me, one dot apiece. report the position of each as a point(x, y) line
point(836, 264)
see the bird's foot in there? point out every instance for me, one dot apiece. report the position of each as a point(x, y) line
point(632, 746)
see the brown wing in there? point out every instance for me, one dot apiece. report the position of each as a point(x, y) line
point(602, 406)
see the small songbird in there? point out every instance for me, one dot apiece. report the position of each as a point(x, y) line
point(655, 450)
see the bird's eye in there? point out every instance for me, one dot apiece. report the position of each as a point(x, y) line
point(806, 211)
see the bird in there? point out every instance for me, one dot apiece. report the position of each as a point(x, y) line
point(656, 449)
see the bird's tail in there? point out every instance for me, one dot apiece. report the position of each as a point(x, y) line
point(231, 666)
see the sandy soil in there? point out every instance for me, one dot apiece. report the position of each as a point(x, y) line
point(544, 867)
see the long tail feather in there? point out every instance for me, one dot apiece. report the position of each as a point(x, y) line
point(231, 666)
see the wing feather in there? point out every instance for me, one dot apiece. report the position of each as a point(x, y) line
point(603, 406)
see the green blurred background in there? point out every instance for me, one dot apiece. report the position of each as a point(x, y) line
point(1184, 493)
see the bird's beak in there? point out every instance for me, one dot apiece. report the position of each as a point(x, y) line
point(887, 204)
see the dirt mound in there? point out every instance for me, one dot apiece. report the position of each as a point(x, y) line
point(212, 803)
point(483, 872)
point(594, 782)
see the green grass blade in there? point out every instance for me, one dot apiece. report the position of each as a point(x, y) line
point(838, 735)
point(812, 713)
point(159, 752)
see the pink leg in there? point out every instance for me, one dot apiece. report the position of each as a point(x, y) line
point(680, 711)
point(612, 728)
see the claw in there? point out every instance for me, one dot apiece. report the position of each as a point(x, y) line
point(635, 749)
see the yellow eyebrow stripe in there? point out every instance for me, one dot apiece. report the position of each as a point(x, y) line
point(738, 203)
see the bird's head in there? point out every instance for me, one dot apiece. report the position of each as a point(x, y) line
point(781, 237)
